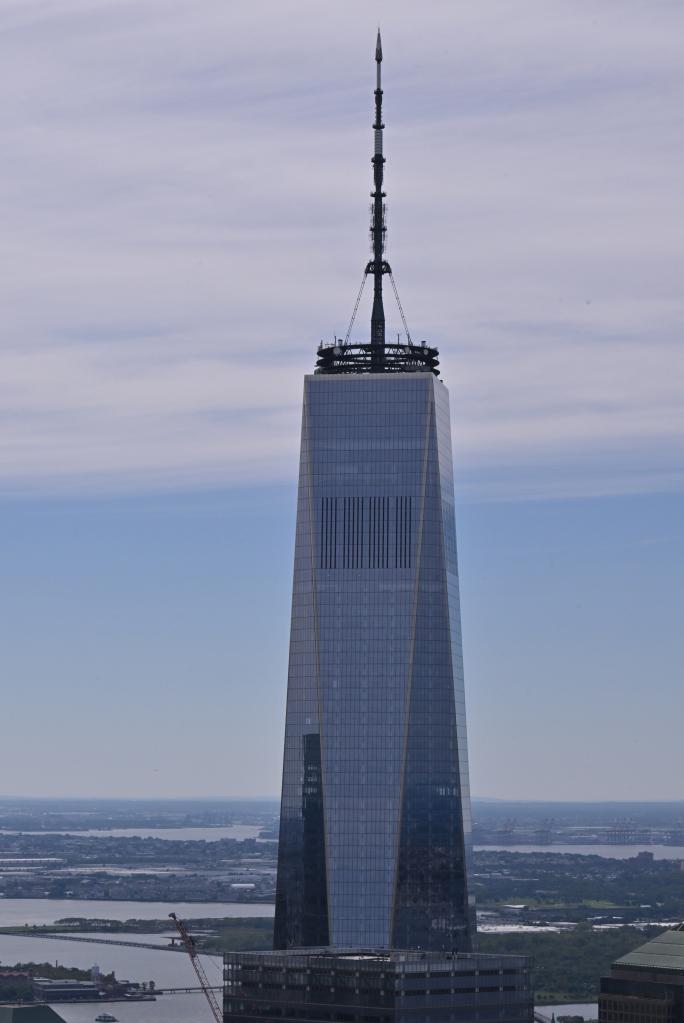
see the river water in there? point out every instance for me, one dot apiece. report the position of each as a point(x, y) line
point(167, 1009)
point(166, 969)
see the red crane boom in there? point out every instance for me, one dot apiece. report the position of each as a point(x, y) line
point(191, 949)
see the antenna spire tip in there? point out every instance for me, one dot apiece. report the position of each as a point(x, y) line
point(378, 47)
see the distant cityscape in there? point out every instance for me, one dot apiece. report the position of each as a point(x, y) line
point(639, 824)
point(105, 887)
point(177, 852)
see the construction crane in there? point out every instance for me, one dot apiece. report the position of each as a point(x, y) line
point(191, 949)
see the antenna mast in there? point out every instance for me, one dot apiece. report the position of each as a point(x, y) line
point(378, 356)
point(378, 266)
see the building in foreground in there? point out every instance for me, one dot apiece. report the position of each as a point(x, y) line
point(647, 985)
point(375, 822)
point(376, 986)
point(29, 1014)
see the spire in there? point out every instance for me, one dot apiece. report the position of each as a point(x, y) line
point(345, 355)
point(377, 266)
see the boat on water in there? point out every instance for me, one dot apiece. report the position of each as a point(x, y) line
point(106, 1017)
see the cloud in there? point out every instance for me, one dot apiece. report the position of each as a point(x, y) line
point(184, 211)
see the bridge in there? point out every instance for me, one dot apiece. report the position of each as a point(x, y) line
point(184, 990)
point(105, 941)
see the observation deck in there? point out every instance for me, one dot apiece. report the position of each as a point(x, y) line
point(339, 357)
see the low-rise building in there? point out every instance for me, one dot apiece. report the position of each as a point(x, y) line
point(47, 990)
point(646, 985)
point(376, 986)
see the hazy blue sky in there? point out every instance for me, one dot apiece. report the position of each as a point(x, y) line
point(184, 207)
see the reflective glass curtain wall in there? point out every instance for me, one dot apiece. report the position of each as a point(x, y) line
point(375, 818)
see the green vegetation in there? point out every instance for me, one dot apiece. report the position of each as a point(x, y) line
point(578, 887)
point(79, 924)
point(567, 966)
point(51, 971)
point(239, 935)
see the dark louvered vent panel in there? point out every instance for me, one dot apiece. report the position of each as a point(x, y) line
point(365, 532)
point(403, 532)
point(328, 533)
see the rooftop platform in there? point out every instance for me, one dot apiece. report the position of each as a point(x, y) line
point(366, 358)
point(664, 952)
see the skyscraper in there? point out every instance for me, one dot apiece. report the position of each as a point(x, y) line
point(375, 816)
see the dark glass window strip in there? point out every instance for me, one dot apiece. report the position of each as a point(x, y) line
point(371, 528)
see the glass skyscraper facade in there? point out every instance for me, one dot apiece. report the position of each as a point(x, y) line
point(375, 842)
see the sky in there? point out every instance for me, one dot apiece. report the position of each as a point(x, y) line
point(184, 202)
